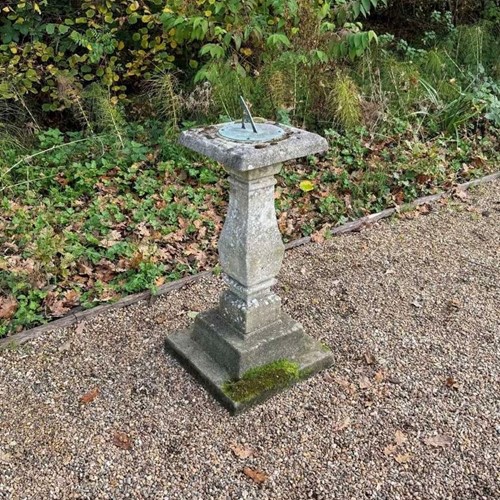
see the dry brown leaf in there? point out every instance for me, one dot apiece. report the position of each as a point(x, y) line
point(112, 238)
point(342, 425)
point(454, 304)
point(79, 328)
point(55, 305)
point(399, 197)
point(452, 383)
point(379, 377)
point(256, 475)
point(71, 298)
point(369, 358)
point(90, 396)
point(241, 451)
point(438, 441)
point(402, 458)
point(8, 307)
point(390, 449)
point(461, 194)
point(160, 280)
point(425, 209)
point(364, 382)
point(121, 440)
point(318, 237)
point(346, 385)
point(400, 437)
point(5, 457)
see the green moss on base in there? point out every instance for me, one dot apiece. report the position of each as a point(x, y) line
point(256, 381)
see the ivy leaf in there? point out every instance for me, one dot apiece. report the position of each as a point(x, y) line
point(50, 28)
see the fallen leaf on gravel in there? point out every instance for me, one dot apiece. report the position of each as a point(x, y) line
point(8, 307)
point(452, 383)
point(342, 425)
point(425, 209)
point(400, 437)
point(241, 451)
point(121, 440)
point(192, 314)
point(379, 376)
point(402, 458)
point(255, 475)
point(390, 449)
point(346, 385)
point(454, 304)
point(369, 358)
point(364, 383)
point(89, 397)
point(5, 457)
point(438, 441)
point(65, 347)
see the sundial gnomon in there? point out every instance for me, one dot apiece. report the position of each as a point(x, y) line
point(249, 129)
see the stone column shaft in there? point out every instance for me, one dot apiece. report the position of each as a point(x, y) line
point(251, 250)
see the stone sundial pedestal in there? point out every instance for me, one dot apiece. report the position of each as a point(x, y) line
point(248, 330)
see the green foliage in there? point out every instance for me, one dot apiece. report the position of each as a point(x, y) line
point(345, 100)
point(46, 47)
point(258, 381)
point(164, 94)
point(85, 219)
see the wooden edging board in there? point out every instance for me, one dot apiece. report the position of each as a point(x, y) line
point(79, 315)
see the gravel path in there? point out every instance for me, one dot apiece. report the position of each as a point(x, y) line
point(410, 409)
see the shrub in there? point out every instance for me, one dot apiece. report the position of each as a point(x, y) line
point(51, 51)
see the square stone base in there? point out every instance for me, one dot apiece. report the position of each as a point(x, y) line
point(311, 357)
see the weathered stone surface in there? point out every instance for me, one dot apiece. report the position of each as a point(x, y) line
point(311, 359)
point(250, 246)
point(248, 328)
point(248, 315)
point(281, 339)
point(249, 156)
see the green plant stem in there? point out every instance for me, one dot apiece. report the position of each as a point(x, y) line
point(48, 150)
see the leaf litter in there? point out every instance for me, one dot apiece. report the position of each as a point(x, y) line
point(241, 451)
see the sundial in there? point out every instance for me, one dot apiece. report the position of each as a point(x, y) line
point(249, 129)
point(248, 330)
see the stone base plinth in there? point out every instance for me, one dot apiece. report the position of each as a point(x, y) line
point(217, 353)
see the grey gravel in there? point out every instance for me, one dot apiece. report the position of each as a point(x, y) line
point(411, 310)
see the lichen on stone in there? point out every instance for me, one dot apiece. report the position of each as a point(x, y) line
point(261, 379)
